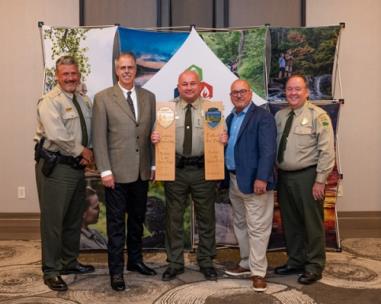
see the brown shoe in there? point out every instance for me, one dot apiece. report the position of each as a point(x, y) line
point(237, 271)
point(259, 283)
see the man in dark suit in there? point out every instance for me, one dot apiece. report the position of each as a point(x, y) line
point(123, 119)
point(249, 158)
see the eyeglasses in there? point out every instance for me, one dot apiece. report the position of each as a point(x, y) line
point(237, 93)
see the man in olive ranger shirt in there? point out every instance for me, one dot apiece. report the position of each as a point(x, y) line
point(190, 180)
point(63, 133)
point(305, 158)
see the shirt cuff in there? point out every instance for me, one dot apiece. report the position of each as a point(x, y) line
point(106, 173)
point(321, 177)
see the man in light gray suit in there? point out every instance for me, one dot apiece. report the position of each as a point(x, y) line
point(123, 119)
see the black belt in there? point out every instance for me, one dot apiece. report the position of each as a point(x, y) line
point(182, 161)
point(299, 170)
point(71, 161)
point(233, 172)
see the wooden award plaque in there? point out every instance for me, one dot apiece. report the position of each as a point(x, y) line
point(214, 149)
point(165, 156)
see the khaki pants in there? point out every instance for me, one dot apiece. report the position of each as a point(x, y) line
point(253, 217)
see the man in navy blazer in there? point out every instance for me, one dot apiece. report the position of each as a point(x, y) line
point(249, 158)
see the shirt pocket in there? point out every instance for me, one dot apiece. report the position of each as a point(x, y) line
point(304, 136)
point(70, 119)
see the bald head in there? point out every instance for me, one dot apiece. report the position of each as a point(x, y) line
point(240, 94)
point(189, 86)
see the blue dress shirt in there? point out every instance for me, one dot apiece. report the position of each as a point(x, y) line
point(233, 134)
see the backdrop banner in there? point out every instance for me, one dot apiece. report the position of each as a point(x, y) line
point(219, 58)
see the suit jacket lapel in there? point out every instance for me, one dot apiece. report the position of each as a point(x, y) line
point(121, 101)
point(140, 102)
point(248, 115)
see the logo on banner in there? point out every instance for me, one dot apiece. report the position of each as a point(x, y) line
point(165, 116)
point(206, 88)
point(213, 117)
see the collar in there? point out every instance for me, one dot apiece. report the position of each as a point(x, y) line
point(87, 232)
point(244, 111)
point(125, 90)
point(67, 94)
point(195, 104)
point(299, 111)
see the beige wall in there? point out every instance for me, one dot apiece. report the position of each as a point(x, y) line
point(360, 138)
point(21, 85)
point(360, 135)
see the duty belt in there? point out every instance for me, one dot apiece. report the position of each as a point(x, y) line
point(183, 161)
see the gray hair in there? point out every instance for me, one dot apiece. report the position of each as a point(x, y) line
point(66, 60)
point(126, 54)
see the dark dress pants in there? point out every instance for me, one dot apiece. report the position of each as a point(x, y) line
point(190, 180)
point(303, 220)
point(62, 203)
point(130, 198)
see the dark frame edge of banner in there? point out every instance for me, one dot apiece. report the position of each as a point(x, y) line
point(81, 12)
point(303, 9)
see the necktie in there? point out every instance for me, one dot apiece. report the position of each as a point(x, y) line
point(85, 138)
point(187, 145)
point(283, 140)
point(130, 103)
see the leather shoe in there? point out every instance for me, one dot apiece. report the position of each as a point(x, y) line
point(56, 283)
point(309, 277)
point(141, 268)
point(287, 270)
point(209, 273)
point(117, 282)
point(78, 269)
point(171, 273)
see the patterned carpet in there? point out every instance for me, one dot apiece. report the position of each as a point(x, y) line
point(352, 276)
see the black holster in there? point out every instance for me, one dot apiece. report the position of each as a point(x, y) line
point(51, 159)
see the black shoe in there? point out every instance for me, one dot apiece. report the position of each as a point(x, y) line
point(141, 268)
point(117, 282)
point(286, 270)
point(210, 273)
point(78, 269)
point(171, 273)
point(309, 277)
point(56, 283)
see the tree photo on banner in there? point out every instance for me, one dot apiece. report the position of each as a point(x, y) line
point(307, 51)
point(91, 47)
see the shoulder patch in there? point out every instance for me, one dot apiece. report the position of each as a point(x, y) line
point(324, 120)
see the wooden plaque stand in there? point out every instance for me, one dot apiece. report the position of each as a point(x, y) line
point(165, 156)
point(214, 149)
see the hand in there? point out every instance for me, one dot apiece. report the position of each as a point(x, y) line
point(108, 181)
point(155, 137)
point(318, 191)
point(87, 157)
point(224, 137)
point(152, 177)
point(260, 187)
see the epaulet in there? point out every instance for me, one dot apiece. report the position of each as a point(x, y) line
point(52, 94)
point(317, 109)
